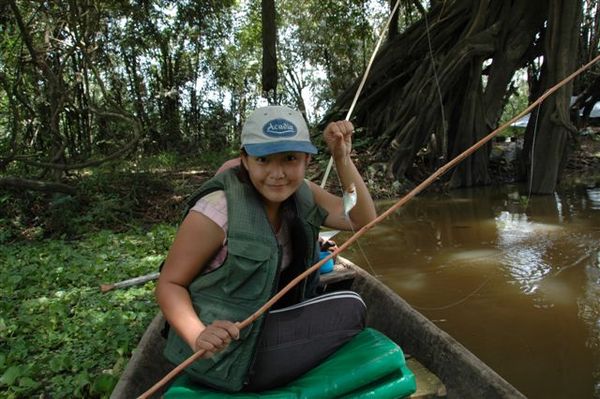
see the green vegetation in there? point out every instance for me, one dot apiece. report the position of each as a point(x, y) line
point(118, 196)
point(59, 335)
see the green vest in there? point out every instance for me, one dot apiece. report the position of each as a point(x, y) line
point(246, 280)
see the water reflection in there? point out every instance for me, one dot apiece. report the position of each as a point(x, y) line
point(593, 195)
point(512, 277)
point(523, 248)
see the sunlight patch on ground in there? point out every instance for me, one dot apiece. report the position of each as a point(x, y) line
point(153, 258)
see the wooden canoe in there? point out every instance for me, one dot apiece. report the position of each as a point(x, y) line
point(462, 374)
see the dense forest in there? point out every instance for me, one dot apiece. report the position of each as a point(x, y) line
point(85, 85)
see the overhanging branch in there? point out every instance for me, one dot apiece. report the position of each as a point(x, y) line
point(117, 154)
point(35, 185)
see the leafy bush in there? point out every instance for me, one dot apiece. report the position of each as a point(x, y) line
point(162, 161)
point(59, 336)
point(171, 161)
point(117, 196)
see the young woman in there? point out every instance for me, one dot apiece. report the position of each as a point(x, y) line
point(250, 231)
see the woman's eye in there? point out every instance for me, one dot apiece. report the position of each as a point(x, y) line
point(261, 159)
point(291, 157)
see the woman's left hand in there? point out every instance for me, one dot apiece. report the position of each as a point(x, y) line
point(338, 136)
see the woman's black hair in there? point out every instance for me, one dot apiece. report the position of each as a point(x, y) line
point(298, 240)
point(242, 173)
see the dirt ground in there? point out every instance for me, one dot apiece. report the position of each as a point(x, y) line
point(583, 162)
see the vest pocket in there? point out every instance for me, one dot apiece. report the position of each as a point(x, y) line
point(250, 269)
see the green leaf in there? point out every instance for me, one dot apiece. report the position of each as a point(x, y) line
point(10, 375)
point(58, 364)
point(104, 384)
point(81, 380)
point(14, 280)
point(27, 382)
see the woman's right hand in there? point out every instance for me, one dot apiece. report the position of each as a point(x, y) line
point(216, 337)
point(338, 137)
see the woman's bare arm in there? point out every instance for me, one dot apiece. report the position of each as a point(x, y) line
point(338, 136)
point(197, 241)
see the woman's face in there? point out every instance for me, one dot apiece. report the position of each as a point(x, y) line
point(276, 176)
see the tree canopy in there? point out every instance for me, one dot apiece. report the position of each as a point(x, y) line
point(85, 83)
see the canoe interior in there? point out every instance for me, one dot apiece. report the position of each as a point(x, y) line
point(463, 374)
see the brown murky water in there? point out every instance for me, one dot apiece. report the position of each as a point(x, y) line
point(516, 281)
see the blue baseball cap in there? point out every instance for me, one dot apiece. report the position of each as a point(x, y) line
point(274, 129)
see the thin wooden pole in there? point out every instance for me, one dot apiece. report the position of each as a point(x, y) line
point(129, 282)
point(437, 174)
point(361, 85)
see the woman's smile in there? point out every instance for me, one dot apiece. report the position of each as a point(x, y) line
point(277, 186)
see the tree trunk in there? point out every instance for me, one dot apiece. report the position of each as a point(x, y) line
point(130, 60)
point(549, 134)
point(519, 25)
point(169, 98)
point(426, 86)
point(295, 85)
point(269, 53)
point(17, 183)
point(470, 128)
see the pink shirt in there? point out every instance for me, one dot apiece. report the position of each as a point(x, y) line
point(214, 207)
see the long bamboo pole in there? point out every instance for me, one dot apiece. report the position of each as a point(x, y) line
point(437, 174)
point(362, 84)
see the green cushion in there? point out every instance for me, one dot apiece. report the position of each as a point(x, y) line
point(369, 366)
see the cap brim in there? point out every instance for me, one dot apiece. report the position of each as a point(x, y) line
point(260, 150)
